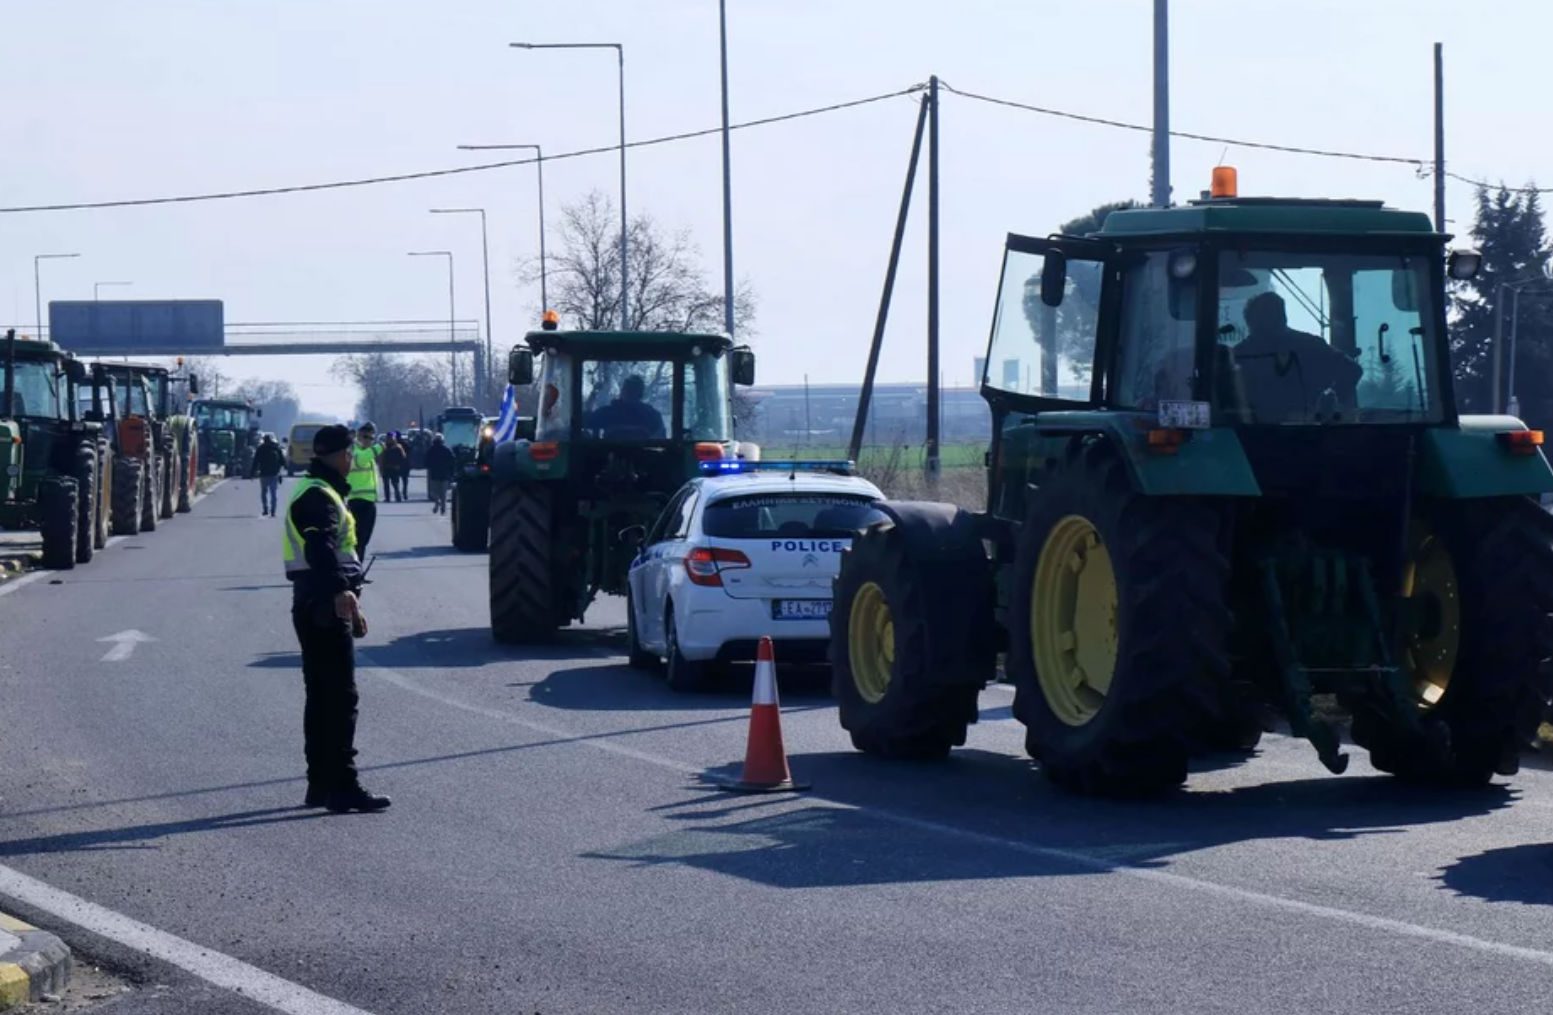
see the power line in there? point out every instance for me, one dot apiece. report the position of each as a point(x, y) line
point(1187, 135)
point(455, 171)
point(1490, 186)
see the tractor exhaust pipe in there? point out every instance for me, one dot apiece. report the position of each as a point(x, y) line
point(10, 372)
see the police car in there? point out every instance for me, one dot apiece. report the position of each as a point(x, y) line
point(747, 550)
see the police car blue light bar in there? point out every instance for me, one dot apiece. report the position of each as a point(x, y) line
point(731, 466)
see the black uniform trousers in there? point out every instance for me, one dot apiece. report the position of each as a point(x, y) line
point(329, 678)
point(365, 513)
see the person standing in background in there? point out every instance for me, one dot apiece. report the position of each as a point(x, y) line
point(268, 460)
point(393, 463)
point(363, 485)
point(440, 463)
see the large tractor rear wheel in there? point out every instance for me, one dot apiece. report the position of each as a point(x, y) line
point(128, 493)
point(1481, 574)
point(57, 518)
point(85, 475)
point(887, 668)
point(168, 484)
point(1117, 630)
point(471, 515)
point(102, 521)
point(525, 586)
point(150, 498)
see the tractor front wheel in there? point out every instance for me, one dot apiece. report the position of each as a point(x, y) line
point(57, 519)
point(85, 474)
point(525, 586)
point(1482, 573)
point(1117, 630)
point(890, 695)
point(471, 515)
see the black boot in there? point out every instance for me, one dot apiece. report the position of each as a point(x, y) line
point(317, 795)
point(353, 798)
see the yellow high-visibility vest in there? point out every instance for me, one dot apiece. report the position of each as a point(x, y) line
point(292, 545)
point(363, 474)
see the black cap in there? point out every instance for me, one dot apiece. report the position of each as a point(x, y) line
point(330, 439)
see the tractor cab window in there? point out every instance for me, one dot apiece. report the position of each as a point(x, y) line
point(1310, 337)
point(707, 416)
point(36, 391)
point(1038, 349)
point(627, 400)
point(461, 432)
point(553, 414)
point(1157, 360)
point(129, 394)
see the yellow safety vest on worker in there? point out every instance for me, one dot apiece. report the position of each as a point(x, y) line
point(363, 475)
point(293, 546)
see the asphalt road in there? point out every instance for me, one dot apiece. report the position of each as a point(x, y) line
point(553, 846)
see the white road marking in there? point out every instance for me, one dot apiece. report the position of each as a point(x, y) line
point(206, 963)
point(1076, 858)
point(124, 645)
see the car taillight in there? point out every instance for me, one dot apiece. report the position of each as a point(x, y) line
point(705, 565)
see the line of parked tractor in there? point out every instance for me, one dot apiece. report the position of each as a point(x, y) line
point(93, 450)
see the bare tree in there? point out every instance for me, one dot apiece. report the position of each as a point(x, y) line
point(277, 399)
point(213, 380)
point(395, 389)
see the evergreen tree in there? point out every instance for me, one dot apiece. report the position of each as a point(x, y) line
point(1510, 234)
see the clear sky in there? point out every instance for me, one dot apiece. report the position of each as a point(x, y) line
point(111, 99)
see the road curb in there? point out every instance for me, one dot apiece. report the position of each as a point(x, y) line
point(33, 962)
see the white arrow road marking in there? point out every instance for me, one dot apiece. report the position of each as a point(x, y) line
point(123, 645)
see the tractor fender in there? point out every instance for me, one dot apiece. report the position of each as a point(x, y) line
point(1468, 461)
point(1206, 463)
point(945, 555)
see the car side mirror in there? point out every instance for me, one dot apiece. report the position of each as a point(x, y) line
point(520, 367)
point(1054, 278)
point(1463, 264)
point(741, 365)
point(632, 535)
point(194, 385)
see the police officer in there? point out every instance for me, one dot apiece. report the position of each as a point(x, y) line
point(363, 484)
point(320, 550)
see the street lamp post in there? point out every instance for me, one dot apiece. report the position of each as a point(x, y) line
point(37, 285)
point(452, 337)
point(1514, 289)
point(1514, 405)
point(539, 165)
point(722, 35)
point(97, 288)
point(481, 376)
point(620, 57)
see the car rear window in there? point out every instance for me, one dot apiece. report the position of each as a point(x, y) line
point(761, 516)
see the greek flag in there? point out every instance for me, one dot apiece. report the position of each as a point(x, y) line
point(507, 418)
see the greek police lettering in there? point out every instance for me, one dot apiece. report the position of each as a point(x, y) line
point(809, 545)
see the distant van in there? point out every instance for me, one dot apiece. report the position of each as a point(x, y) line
point(299, 446)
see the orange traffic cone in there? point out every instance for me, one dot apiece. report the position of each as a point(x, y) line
point(765, 759)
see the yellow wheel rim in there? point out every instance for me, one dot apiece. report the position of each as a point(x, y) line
point(1433, 644)
point(871, 642)
point(1073, 627)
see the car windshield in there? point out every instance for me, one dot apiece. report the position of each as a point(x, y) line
point(302, 436)
point(1312, 337)
point(789, 515)
point(36, 391)
point(461, 432)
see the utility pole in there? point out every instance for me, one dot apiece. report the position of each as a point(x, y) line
point(1160, 190)
point(931, 462)
point(722, 26)
point(1439, 138)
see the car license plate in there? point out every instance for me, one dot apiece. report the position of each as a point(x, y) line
point(800, 609)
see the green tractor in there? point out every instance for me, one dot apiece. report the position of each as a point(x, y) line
point(468, 436)
point(53, 457)
point(1227, 480)
point(624, 419)
point(228, 433)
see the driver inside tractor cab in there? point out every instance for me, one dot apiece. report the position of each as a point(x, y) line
point(628, 417)
point(1286, 373)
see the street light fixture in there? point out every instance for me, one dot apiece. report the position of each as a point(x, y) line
point(37, 285)
point(485, 254)
point(452, 339)
point(97, 287)
point(620, 57)
point(539, 164)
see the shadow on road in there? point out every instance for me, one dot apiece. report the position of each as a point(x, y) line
point(1521, 873)
point(144, 836)
point(462, 647)
point(984, 815)
point(616, 687)
point(420, 553)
